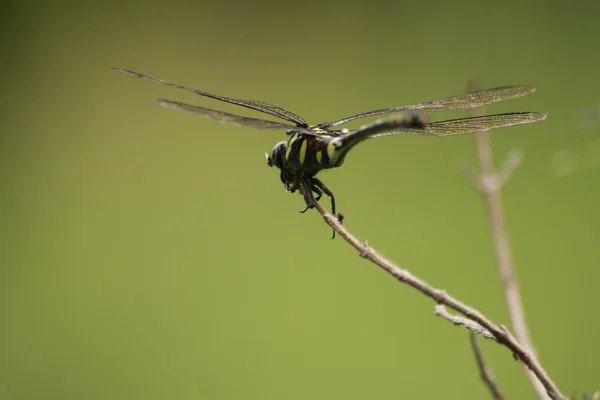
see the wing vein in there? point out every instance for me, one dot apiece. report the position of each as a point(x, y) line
point(467, 100)
point(256, 105)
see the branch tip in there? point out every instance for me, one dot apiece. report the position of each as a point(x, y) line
point(471, 175)
point(509, 165)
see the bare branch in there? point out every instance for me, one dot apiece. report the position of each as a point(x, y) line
point(441, 297)
point(489, 185)
point(486, 374)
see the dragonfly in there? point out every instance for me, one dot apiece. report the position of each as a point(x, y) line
point(310, 149)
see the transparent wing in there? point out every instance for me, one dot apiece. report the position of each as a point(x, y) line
point(238, 120)
point(252, 104)
point(468, 100)
point(458, 126)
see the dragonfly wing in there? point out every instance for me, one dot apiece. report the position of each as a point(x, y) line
point(252, 104)
point(227, 118)
point(468, 100)
point(463, 126)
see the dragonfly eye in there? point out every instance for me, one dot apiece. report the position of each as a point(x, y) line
point(277, 156)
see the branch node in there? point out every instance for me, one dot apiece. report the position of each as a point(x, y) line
point(490, 183)
point(440, 297)
point(505, 336)
point(486, 183)
point(365, 251)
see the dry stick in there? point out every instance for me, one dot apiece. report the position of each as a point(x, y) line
point(486, 374)
point(489, 183)
point(441, 297)
point(474, 327)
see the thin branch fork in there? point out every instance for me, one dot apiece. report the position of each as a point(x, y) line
point(489, 183)
point(492, 182)
point(441, 297)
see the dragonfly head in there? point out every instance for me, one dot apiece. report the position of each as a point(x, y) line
point(277, 157)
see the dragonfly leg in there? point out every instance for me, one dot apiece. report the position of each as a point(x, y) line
point(309, 199)
point(318, 184)
point(319, 193)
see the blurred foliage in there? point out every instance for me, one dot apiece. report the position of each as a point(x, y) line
point(150, 254)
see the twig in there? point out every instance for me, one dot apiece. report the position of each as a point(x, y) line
point(486, 375)
point(489, 183)
point(474, 327)
point(441, 297)
point(509, 165)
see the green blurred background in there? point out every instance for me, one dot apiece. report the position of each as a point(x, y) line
point(151, 254)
